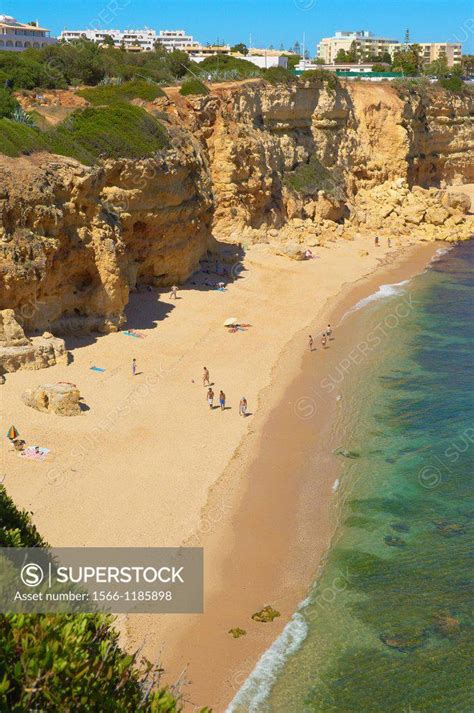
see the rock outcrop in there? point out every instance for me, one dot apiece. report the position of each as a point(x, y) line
point(59, 399)
point(19, 352)
point(297, 165)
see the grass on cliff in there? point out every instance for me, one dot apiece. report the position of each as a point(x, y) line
point(193, 87)
point(120, 131)
point(68, 662)
point(108, 94)
point(311, 177)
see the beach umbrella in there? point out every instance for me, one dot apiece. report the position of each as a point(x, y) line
point(231, 322)
point(12, 433)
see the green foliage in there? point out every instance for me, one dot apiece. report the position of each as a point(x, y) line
point(241, 48)
point(225, 63)
point(24, 71)
point(438, 68)
point(118, 131)
point(381, 68)
point(408, 61)
point(119, 93)
point(279, 75)
point(293, 60)
point(324, 76)
point(68, 662)
point(8, 104)
point(193, 86)
point(453, 84)
point(23, 117)
point(312, 177)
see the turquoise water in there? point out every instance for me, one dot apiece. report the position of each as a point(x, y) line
point(388, 626)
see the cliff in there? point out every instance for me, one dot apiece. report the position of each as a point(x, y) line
point(250, 162)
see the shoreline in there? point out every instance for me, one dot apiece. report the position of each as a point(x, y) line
point(250, 496)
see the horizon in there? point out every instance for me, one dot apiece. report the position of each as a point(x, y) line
point(276, 23)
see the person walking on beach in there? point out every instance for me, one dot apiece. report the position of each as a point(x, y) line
point(311, 343)
point(205, 377)
point(329, 330)
point(173, 293)
point(222, 400)
point(389, 243)
point(376, 241)
point(134, 367)
point(324, 341)
point(210, 397)
point(243, 406)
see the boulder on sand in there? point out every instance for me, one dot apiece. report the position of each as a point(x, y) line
point(60, 399)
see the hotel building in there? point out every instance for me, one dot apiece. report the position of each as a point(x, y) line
point(16, 36)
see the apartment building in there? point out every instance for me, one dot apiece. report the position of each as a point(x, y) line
point(365, 42)
point(132, 40)
point(176, 40)
point(16, 36)
point(450, 51)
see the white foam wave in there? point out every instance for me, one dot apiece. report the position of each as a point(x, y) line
point(383, 292)
point(252, 694)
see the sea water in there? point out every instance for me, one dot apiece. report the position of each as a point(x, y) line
point(388, 623)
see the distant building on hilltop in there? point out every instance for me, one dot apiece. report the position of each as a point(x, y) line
point(366, 44)
point(16, 36)
point(134, 40)
point(131, 40)
point(176, 40)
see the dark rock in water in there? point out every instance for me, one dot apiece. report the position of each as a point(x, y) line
point(402, 643)
point(394, 541)
point(390, 460)
point(446, 624)
point(400, 527)
point(449, 529)
point(345, 453)
point(266, 614)
point(237, 632)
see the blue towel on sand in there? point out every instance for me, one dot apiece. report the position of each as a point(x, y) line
point(96, 368)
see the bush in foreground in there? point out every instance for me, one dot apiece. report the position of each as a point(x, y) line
point(108, 94)
point(68, 662)
point(193, 87)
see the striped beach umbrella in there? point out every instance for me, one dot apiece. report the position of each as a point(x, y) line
point(12, 433)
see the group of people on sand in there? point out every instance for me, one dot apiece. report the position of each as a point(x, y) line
point(377, 242)
point(206, 381)
point(326, 336)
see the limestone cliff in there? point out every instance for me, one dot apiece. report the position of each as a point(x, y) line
point(248, 162)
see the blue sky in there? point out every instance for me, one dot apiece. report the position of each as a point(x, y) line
point(269, 21)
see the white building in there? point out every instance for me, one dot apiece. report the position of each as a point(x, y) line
point(16, 36)
point(176, 40)
point(133, 40)
point(364, 42)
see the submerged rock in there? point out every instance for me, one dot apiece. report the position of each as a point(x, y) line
point(60, 399)
point(405, 644)
point(345, 453)
point(446, 624)
point(449, 529)
point(237, 632)
point(266, 614)
point(400, 527)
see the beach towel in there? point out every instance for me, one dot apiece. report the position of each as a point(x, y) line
point(31, 453)
point(133, 333)
point(96, 368)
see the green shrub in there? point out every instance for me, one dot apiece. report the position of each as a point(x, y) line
point(8, 103)
point(279, 75)
point(120, 131)
point(311, 177)
point(193, 87)
point(68, 662)
point(125, 92)
point(225, 63)
point(453, 84)
point(324, 76)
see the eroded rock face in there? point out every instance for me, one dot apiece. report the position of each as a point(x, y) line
point(60, 399)
point(19, 352)
point(75, 240)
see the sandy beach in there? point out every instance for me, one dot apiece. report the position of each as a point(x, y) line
point(149, 464)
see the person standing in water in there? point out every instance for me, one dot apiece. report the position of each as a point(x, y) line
point(210, 397)
point(222, 400)
point(205, 377)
